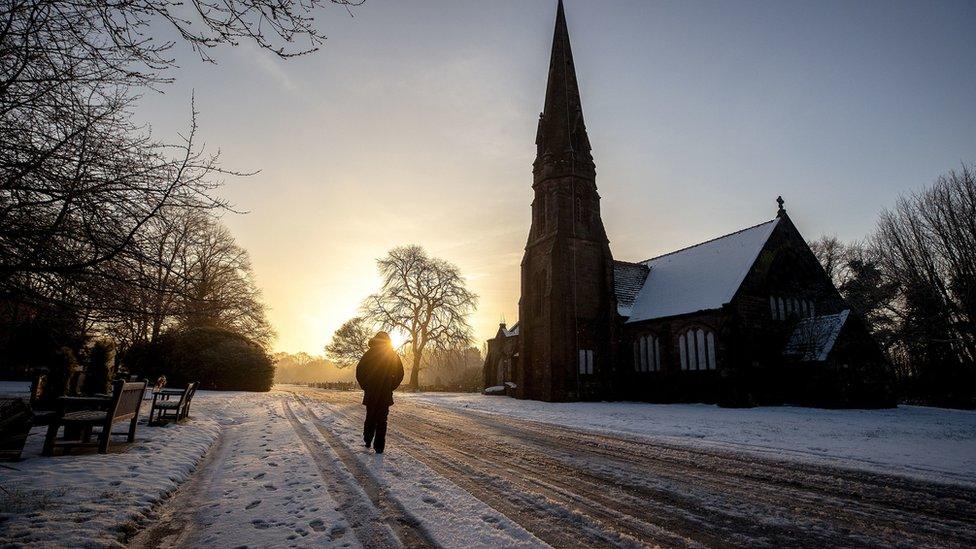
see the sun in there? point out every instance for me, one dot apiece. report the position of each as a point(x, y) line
point(398, 338)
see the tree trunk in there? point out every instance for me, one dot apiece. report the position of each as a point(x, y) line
point(415, 372)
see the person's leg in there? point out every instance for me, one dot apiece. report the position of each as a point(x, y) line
point(381, 416)
point(369, 426)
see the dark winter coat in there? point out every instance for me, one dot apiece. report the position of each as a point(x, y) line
point(379, 372)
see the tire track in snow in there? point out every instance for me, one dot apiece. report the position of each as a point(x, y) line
point(713, 497)
point(548, 509)
point(721, 499)
point(378, 520)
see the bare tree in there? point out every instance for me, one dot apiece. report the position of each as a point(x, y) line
point(426, 299)
point(855, 270)
point(830, 251)
point(78, 178)
point(219, 288)
point(927, 245)
point(349, 342)
point(84, 187)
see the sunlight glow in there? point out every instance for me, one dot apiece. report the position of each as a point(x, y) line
point(398, 338)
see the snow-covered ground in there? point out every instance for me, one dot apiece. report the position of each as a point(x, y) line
point(14, 388)
point(270, 479)
point(449, 516)
point(259, 488)
point(97, 499)
point(288, 469)
point(930, 443)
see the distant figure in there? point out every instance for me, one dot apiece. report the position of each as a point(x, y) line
point(379, 372)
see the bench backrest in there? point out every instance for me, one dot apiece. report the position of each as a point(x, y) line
point(38, 390)
point(191, 390)
point(126, 399)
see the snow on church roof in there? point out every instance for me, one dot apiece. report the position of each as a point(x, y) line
point(628, 279)
point(700, 277)
point(814, 338)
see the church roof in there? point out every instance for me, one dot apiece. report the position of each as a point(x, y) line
point(814, 338)
point(697, 278)
point(628, 279)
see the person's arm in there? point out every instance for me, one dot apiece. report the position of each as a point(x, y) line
point(397, 376)
point(361, 373)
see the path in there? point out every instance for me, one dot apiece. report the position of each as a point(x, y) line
point(292, 471)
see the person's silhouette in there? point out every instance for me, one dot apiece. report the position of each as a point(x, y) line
point(379, 373)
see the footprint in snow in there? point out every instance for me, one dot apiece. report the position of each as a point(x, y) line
point(336, 532)
point(259, 476)
point(270, 487)
point(432, 501)
point(260, 524)
point(253, 504)
point(317, 525)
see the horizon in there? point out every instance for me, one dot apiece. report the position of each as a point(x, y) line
point(428, 137)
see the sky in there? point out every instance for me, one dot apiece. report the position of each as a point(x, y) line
point(415, 124)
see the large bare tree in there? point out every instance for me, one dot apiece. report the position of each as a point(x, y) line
point(426, 299)
point(927, 244)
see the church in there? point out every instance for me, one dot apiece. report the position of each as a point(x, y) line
point(748, 318)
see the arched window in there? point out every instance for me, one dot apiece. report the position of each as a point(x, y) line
point(647, 354)
point(710, 343)
point(697, 349)
point(642, 362)
point(701, 352)
point(772, 307)
point(637, 355)
point(657, 355)
point(782, 308)
point(683, 351)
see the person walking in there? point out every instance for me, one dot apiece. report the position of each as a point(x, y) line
point(379, 373)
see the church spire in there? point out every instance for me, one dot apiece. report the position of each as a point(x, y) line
point(563, 147)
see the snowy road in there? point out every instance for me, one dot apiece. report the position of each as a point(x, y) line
point(570, 488)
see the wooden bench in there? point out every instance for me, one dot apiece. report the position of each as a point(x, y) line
point(165, 407)
point(15, 425)
point(78, 416)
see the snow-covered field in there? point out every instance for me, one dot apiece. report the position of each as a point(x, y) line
point(287, 468)
point(930, 443)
